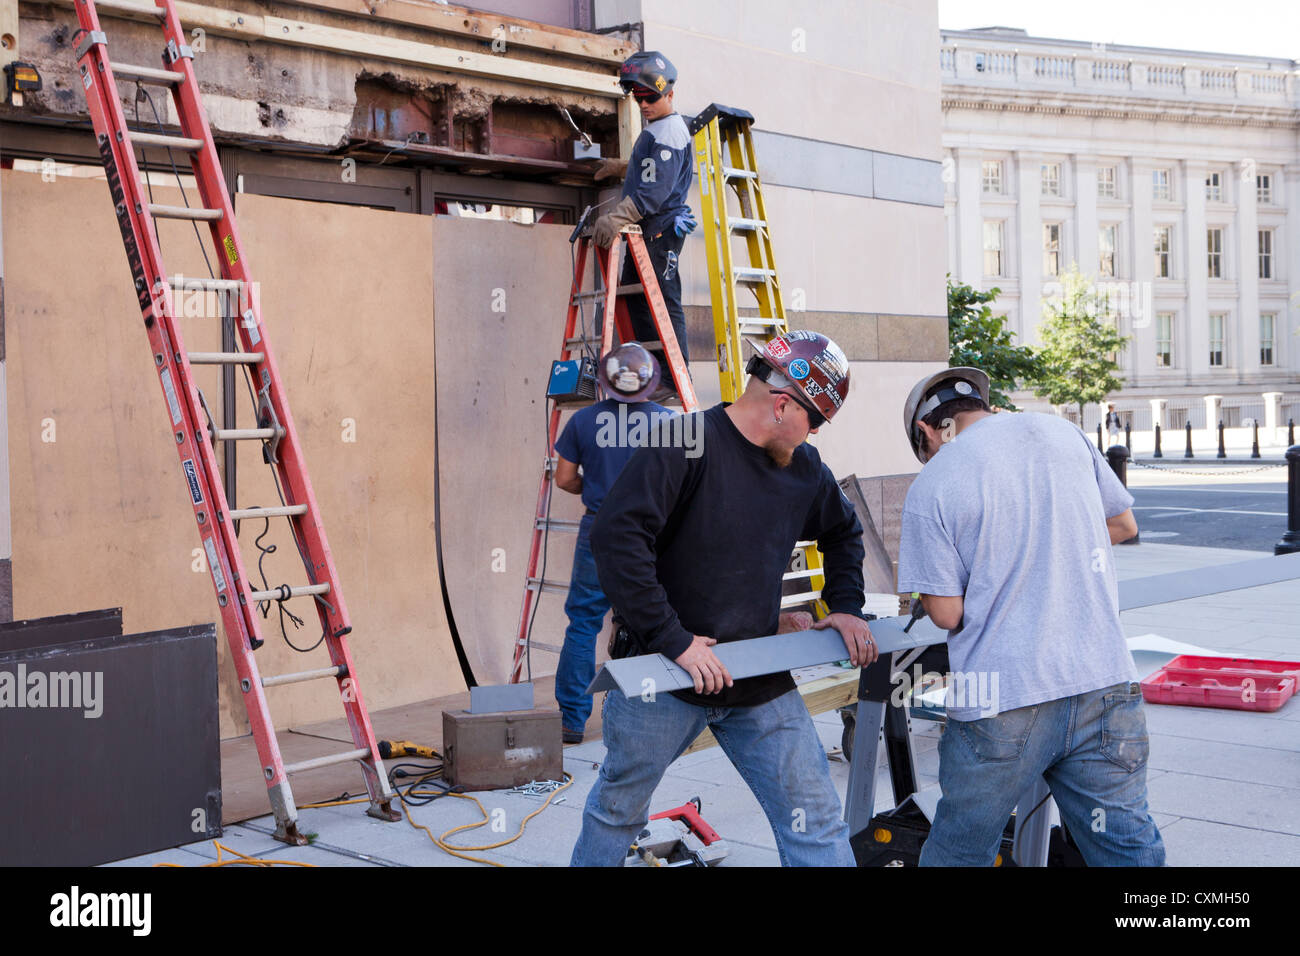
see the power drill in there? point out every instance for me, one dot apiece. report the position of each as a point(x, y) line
point(918, 611)
point(389, 749)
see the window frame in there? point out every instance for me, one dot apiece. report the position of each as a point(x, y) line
point(1214, 252)
point(1264, 189)
point(1162, 185)
point(1271, 348)
point(1265, 255)
point(984, 178)
point(1102, 252)
point(1047, 226)
point(999, 250)
point(1164, 258)
point(1222, 351)
point(1214, 186)
point(1111, 184)
point(1055, 180)
point(1165, 356)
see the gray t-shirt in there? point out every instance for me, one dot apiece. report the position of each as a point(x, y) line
point(1012, 514)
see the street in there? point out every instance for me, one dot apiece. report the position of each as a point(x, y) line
point(1249, 517)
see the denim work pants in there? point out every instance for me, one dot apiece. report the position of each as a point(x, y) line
point(774, 746)
point(663, 250)
point(1091, 749)
point(586, 607)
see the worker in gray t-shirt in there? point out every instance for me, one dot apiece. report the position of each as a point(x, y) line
point(1007, 534)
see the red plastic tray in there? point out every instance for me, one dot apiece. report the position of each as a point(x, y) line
point(1221, 682)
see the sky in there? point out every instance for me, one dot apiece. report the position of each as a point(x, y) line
point(1251, 27)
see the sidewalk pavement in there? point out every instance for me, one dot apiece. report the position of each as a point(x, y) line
point(1224, 785)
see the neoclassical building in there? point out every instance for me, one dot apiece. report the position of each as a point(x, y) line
point(1171, 177)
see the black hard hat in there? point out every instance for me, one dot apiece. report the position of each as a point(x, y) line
point(650, 71)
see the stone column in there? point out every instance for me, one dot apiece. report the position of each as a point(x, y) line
point(1212, 410)
point(1029, 244)
point(1287, 336)
point(1085, 215)
point(1195, 268)
point(1159, 409)
point(1272, 415)
point(970, 220)
point(1140, 246)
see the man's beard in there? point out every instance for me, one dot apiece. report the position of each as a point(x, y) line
point(779, 453)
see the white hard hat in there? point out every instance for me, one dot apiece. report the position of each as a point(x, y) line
point(965, 381)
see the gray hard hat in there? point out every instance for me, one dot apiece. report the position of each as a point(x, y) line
point(966, 382)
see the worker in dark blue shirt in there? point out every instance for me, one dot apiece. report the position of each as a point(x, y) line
point(599, 439)
point(655, 188)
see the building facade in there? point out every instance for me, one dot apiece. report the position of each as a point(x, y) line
point(1171, 178)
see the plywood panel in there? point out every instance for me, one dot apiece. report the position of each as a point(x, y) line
point(500, 293)
point(100, 514)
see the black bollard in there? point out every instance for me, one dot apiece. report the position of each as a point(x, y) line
point(1118, 456)
point(1159, 453)
point(1290, 432)
point(1290, 542)
point(1254, 445)
point(1188, 453)
point(1222, 453)
point(1128, 438)
point(1100, 447)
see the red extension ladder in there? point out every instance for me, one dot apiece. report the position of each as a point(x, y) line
point(195, 435)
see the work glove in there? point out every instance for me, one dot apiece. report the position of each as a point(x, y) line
point(684, 224)
point(609, 225)
point(611, 169)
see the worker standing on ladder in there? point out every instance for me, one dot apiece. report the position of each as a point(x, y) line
point(691, 550)
point(655, 187)
point(1006, 535)
point(627, 375)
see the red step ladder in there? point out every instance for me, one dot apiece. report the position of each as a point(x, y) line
point(194, 434)
point(608, 298)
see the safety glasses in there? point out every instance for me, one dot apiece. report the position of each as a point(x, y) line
point(815, 418)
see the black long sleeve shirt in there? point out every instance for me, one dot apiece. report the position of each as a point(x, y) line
point(690, 544)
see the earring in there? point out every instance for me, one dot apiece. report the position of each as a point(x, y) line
point(778, 421)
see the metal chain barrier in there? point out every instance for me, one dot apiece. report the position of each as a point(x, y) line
point(1208, 474)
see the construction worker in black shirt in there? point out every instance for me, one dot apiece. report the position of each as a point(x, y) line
point(690, 550)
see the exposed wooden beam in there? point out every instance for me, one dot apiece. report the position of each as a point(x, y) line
point(478, 25)
point(356, 43)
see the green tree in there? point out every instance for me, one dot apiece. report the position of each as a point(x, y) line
point(1081, 345)
point(981, 339)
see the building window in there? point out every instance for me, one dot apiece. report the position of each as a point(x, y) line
point(1106, 182)
point(1217, 323)
point(992, 176)
point(1266, 253)
point(1214, 252)
point(1160, 185)
point(1051, 248)
point(1106, 248)
point(1164, 340)
point(992, 247)
point(1214, 187)
point(1264, 189)
point(1051, 179)
point(1163, 257)
point(1267, 323)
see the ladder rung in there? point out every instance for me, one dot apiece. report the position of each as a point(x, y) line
point(539, 646)
point(750, 274)
point(758, 322)
point(573, 343)
point(336, 671)
point(327, 761)
point(276, 511)
point(190, 283)
point(803, 544)
point(554, 587)
point(184, 212)
point(173, 142)
point(746, 225)
point(258, 596)
point(556, 524)
point(633, 289)
point(123, 6)
point(243, 434)
point(789, 600)
point(225, 358)
point(151, 74)
point(805, 573)
point(731, 172)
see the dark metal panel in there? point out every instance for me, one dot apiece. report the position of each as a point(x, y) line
point(141, 775)
point(60, 629)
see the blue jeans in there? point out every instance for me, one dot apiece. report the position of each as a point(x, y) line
point(1092, 751)
point(586, 607)
point(774, 746)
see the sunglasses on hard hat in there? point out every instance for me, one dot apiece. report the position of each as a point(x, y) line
point(644, 95)
point(815, 418)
